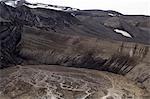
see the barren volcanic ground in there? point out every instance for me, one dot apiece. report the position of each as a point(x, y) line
point(73, 54)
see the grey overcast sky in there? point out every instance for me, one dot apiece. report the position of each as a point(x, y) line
point(123, 6)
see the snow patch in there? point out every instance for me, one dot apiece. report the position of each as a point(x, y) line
point(113, 14)
point(124, 33)
point(11, 3)
point(54, 7)
point(73, 14)
point(14, 3)
point(110, 14)
point(43, 6)
point(71, 9)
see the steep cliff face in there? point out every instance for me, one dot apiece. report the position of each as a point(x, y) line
point(10, 36)
point(78, 51)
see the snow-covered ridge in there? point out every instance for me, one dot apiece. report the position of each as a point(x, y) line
point(47, 6)
point(124, 33)
point(12, 3)
point(15, 3)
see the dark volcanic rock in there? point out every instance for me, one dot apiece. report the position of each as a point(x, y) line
point(10, 36)
point(92, 23)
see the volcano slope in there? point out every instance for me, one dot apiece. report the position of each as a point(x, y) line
point(46, 42)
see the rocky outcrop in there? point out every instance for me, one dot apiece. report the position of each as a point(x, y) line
point(10, 35)
point(42, 18)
